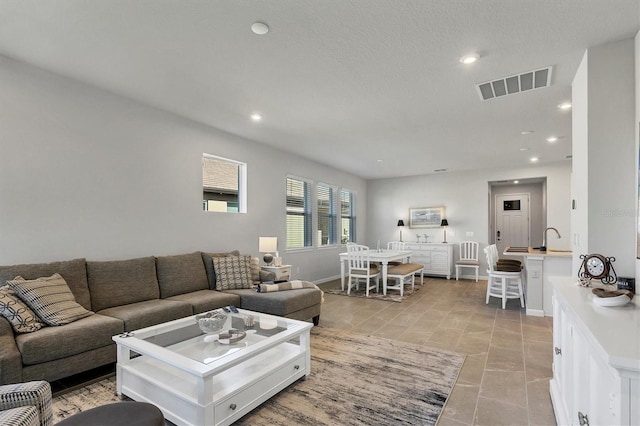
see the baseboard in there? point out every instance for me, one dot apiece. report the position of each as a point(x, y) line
point(535, 312)
point(324, 280)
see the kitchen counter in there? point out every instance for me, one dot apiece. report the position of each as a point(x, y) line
point(539, 267)
point(523, 251)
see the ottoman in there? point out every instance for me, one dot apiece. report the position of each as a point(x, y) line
point(129, 413)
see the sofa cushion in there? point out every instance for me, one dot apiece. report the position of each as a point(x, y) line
point(121, 282)
point(208, 265)
point(150, 312)
point(52, 343)
point(280, 303)
point(232, 272)
point(21, 317)
point(181, 274)
point(50, 298)
point(207, 300)
point(73, 271)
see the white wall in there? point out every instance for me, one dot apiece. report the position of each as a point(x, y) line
point(466, 198)
point(605, 155)
point(85, 173)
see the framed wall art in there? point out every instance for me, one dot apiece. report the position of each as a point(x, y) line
point(426, 217)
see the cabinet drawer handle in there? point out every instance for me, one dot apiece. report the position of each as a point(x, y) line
point(558, 351)
point(233, 406)
point(296, 367)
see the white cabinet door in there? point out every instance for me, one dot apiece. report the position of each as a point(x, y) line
point(562, 383)
point(604, 401)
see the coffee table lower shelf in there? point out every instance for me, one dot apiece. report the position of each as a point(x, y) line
point(236, 391)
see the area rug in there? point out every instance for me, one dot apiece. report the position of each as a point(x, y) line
point(392, 295)
point(355, 379)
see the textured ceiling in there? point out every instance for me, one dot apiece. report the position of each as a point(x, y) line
point(345, 83)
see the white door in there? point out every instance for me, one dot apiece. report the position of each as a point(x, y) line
point(512, 221)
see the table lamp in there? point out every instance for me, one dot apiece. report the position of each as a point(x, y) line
point(401, 224)
point(267, 245)
point(444, 224)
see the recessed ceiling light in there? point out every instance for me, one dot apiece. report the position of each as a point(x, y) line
point(565, 105)
point(526, 132)
point(260, 28)
point(552, 139)
point(534, 159)
point(255, 116)
point(516, 181)
point(379, 161)
point(524, 149)
point(469, 59)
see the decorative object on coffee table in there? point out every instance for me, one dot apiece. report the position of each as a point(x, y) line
point(211, 322)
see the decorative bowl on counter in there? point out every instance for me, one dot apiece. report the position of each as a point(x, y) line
point(211, 322)
point(611, 297)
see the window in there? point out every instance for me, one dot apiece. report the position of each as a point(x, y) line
point(347, 217)
point(298, 213)
point(223, 184)
point(327, 215)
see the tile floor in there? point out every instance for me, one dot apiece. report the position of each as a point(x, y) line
point(505, 377)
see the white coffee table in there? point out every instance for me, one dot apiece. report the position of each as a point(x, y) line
point(195, 380)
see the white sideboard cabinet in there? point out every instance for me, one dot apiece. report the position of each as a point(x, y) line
point(596, 359)
point(437, 258)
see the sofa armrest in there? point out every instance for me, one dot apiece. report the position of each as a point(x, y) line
point(36, 394)
point(10, 359)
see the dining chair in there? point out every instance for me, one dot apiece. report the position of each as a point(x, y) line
point(502, 284)
point(468, 257)
point(360, 268)
point(396, 246)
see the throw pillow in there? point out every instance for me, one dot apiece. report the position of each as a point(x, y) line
point(255, 270)
point(208, 265)
point(232, 272)
point(22, 319)
point(50, 298)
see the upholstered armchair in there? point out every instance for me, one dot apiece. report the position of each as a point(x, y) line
point(26, 404)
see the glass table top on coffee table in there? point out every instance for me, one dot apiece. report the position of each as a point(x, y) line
point(212, 378)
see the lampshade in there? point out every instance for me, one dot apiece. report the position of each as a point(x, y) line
point(268, 244)
point(444, 222)
point(401, 222)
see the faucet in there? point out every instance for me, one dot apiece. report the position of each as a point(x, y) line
point(544, 238)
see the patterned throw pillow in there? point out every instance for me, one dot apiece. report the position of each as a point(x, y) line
point(22, 319)
point(232, 272)
point(50, 298)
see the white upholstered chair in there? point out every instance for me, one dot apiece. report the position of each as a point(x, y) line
point(361, 269)
point(502, 284)
point(468, 257)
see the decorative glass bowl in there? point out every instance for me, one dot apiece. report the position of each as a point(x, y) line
point(211, 322)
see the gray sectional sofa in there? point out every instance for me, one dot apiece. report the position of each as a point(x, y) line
point(127, 295)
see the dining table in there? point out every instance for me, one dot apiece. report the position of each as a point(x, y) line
point(382, 256)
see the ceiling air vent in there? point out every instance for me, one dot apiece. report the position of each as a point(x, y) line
point(529, 80)
point(440, 170)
